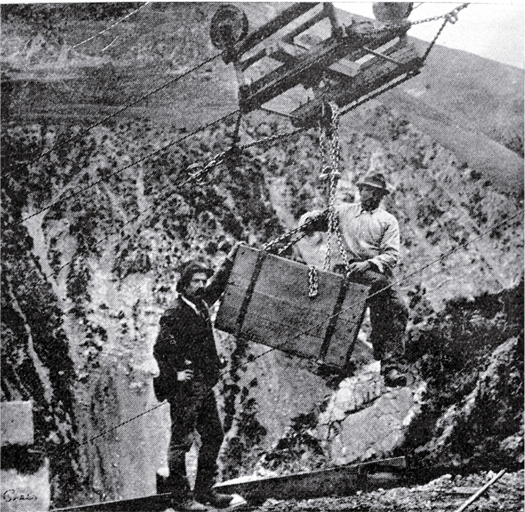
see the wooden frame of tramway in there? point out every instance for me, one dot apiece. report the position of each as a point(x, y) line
point(353, 62)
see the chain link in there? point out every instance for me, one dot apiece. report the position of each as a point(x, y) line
point(313, 282)
point(330, 169)
point(335, 175)
point(268, 246)
point(452, 15)
point(273, 138)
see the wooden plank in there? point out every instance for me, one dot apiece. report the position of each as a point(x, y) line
point(287, 53)
point(303, 27)
point(321, 56)
point(279, 313)
point(375, 73)
point(285, 17)
point(152, 503)
point(238, 282)
point(347, 328)
point(342, 480)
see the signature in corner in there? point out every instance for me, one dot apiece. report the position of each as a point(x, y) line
point(14, 495)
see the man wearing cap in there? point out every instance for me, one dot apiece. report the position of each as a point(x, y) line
point(189, 369)
point(371, 239)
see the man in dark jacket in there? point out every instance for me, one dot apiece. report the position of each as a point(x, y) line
point(189, 368)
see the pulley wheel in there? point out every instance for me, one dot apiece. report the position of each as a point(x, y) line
point(228, 26)
point(391, 11)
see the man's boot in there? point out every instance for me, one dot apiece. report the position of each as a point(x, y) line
point(182, 499)
point(177, 484)
point(395, 379)
point(204, 492)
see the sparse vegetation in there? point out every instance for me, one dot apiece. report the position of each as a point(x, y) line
point(83, 282)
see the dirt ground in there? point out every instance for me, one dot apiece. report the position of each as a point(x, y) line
point(446, 493)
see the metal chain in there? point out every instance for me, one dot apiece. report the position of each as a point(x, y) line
point(273, 138)
point(448, 17)
point(288, 235)
point(313, 282)
point(433, 42)
point(452, 16)
point(341, 244)
point(335, 175)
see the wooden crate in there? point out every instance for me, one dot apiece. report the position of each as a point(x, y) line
point(266, 301)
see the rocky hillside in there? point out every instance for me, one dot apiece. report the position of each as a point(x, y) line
point(95, 226)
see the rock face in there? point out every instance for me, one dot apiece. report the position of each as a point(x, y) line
point(365, 420)
point(498, 387)
point(96, 222)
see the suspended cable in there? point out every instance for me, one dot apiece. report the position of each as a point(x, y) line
point(328, 318)
point(114, 114)
point(118, 171)
point(192, 178)
point(267, 140)
point(111, 26)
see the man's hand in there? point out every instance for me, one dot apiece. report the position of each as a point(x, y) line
point(185, 375)
point(311, 221)
point(358, 267)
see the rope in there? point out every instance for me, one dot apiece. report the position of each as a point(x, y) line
point(111, 26)
point(116, 113)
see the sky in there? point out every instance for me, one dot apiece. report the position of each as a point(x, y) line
point(492, 30)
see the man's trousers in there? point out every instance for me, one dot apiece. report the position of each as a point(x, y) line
point(388, 318)
point(194, 408)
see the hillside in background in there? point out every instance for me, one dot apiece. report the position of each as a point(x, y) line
point(96, 224)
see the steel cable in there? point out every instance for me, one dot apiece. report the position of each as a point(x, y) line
point(118, 171)
point(114, 114)
point(193, 177)
point(111, 26)
point(328, 318)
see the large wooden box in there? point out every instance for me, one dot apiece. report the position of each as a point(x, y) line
point(266, 301)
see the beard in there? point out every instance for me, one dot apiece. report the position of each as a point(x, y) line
point(370, 204)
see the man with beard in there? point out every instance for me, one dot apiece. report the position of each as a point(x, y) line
point(371, 239)
point(189, 369)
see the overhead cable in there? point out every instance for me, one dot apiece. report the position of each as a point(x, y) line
point(118, 171)
point(111, 26)
point(114, 114)
point(328, 318)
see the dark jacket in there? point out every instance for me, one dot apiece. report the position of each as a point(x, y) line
point(187, 335)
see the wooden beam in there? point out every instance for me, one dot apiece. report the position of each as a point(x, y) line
point(321, 56)
point(152, 503)
point(304, 26)
point(374, 75)
point(285, 17)
point(473, 498)
point(382, 56)
point(342, 480)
